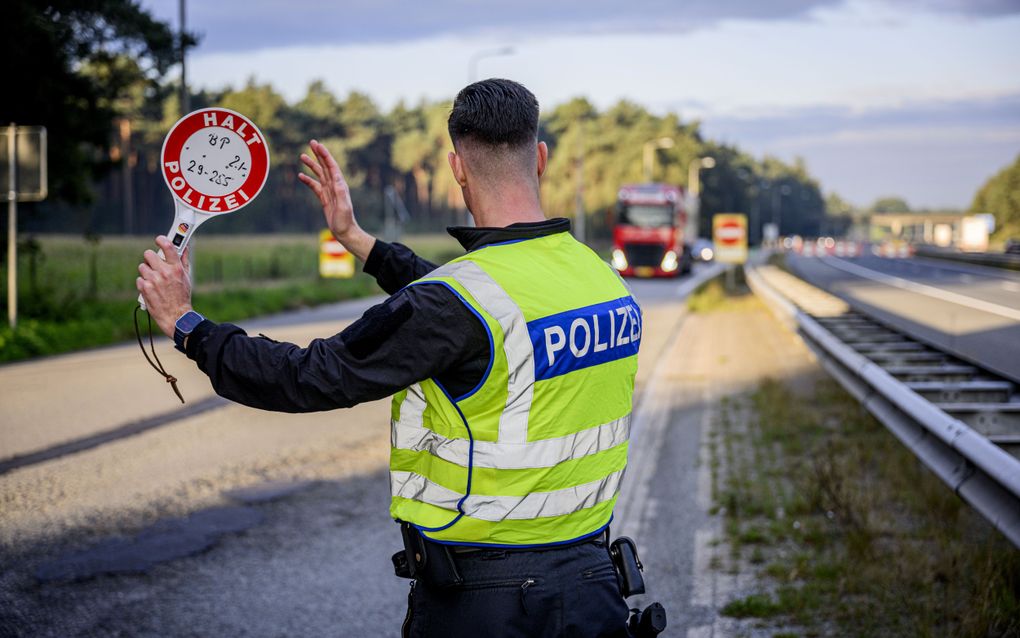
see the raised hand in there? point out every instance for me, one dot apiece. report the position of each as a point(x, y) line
point(331, 188)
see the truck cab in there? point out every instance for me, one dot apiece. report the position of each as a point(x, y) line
point(648, 232)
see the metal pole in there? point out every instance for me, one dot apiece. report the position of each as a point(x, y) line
point(478, 55)
point(12, 225)
point(693, 229)
point(754, 232)
point(776, 215)
point(694, 177)
point(127, 184)
point(185, 96)
point(579, 214)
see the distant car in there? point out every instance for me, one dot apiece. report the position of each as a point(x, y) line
point(703, 250)
point(1012, 247)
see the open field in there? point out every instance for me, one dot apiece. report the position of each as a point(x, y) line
point(75, 293)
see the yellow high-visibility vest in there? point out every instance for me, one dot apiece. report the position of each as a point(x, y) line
point(534, 454)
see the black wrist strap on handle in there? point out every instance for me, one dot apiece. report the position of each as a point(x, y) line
point(158, 365)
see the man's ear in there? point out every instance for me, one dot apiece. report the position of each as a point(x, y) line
point(543, 157)
point(457, 166)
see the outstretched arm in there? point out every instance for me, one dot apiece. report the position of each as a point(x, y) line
point(421, 332)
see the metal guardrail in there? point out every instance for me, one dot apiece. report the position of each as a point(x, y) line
point(996, 260)
point(980, 472)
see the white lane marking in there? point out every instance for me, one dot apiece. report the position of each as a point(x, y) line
point(648, 427)
point(1011, 286)
point(704, 492)
point(703, 581)
point(648, 422)
point(924, 289)
point(702, 631)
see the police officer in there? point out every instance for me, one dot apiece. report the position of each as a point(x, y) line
point(512, 374)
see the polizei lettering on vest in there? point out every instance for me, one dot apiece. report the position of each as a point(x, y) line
point(584, 337)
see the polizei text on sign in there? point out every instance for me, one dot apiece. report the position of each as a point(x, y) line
point(215, 160)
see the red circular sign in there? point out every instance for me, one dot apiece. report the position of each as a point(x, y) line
point(215, 160)
point(729, 233)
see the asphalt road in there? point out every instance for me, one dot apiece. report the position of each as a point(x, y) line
point(125, 514)
point(971, 311)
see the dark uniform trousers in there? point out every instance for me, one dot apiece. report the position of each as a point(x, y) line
point(568, 592)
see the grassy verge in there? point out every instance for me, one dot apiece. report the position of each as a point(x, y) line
point(851, 534)
point(76, 294)
point(778, 260)
point(721, 293)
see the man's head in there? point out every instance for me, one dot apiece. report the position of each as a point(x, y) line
point(494, 128)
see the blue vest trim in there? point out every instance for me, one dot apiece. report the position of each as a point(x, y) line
point(471, 459)
point(488, 333)
point(585, 337)
point(507, 242)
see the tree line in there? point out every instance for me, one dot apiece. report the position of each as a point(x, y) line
point(593, 153)
point(99, 82)
point(1000, 196)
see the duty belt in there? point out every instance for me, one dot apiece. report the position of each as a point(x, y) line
point(434, 563)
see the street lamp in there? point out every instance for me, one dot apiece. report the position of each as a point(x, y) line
point(694, 174)
point(694, 194)
point(777, 205)
point(486, 53)
point(648, 154)
point(185, 96)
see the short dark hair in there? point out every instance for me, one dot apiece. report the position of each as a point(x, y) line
point(495, 113)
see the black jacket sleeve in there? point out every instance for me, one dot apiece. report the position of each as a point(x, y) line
point(395, 265)
point(421, 332)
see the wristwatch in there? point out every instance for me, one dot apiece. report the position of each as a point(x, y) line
point(184, 327)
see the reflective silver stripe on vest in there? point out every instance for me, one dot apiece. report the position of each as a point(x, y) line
point(411, 410)
point(498, 508)
point(411, 435)
point(513, 422)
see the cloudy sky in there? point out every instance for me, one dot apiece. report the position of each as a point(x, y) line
point(919, 98)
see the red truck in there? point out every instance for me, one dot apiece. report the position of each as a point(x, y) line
point(648, 232)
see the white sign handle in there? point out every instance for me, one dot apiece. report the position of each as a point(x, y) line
point(186, 220)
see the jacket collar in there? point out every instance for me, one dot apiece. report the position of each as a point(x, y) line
point(473, 238)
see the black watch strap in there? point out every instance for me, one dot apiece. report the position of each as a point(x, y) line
point(184, 326)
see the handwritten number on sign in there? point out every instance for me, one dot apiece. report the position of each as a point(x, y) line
point(216, 140)
point(237, 163)
point(193, 168)
point(220, 179)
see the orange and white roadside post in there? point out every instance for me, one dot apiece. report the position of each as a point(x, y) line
point(729, 234)
point(335, 262)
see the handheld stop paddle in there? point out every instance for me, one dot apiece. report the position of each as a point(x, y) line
point(214, 161)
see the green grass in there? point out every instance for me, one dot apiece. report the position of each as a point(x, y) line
point(753, 606)
point(76, 294)
point(717, 294)
point(854, 536)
